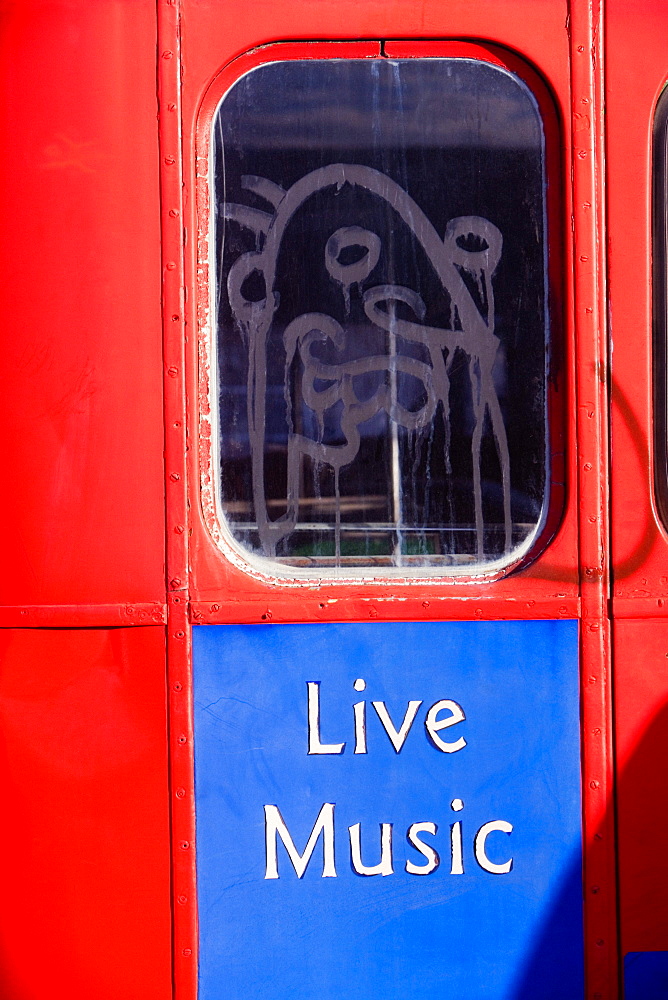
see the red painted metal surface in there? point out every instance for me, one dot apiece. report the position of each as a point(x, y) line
point(564, 44)
point(103, 300)
point(219, 45)
point(81, 615)
point(641, 676)
point(217, 571)
point(637, 69)
point(175, 332)
point(85, 909)
point(86, 904)
point(80, 407)
point(592, 412)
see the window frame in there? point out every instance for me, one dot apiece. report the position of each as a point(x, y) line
point(263, 568)
point(659, 188)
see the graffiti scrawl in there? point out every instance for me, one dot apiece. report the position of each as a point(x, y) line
point(468, 252)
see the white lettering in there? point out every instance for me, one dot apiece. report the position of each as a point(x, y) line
point(456, 854)
point(359, 708)
point(433, 860)
point(385, 866)
point(274, 826)
point(480, 843)
point(314, 744)
point(397, 738)
point(434, 725)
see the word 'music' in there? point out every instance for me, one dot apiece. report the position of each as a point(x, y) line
point(275, 828)
point(443, 714)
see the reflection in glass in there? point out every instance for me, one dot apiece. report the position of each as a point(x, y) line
point(381, 314)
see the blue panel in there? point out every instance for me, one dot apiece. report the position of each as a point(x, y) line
point(646, 975)
point(514, 935)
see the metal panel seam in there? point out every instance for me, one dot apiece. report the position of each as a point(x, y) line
point(184, 910)
point(592, 412)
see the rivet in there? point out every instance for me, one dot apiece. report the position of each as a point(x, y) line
point(174, 476)
point(179, 529)
point(581, 48)
point(175, 583)
point(178, 686)
point(170, 265)
point(167, 54)
point(173, 213)
point(582, 154)
point(592, 680)
point(215, 607)
point(179, 634)
point(597, 731)
point(594, 784)
point(173, 371)
point(171, 107)
point(175, 318)
point(595, 889)
point(180, 793)
point(598, 836)
point(129, 611)
point(600, 942)
point(182, 900)
point(587, 466)
point(584, 258)
point(183, 739)
point(425, 604)
point(184, 845)
point(187, 952)
point(170, 161)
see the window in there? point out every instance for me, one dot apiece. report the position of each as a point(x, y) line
point(381, 316)
point(660, 305)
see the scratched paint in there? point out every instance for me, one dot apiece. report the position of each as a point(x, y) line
point(373, 414)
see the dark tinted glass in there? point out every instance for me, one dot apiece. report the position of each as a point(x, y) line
point(381, 314)
point(660, 305)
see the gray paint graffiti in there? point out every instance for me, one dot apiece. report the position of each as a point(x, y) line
point(324, 385)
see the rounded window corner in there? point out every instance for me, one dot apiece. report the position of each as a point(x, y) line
point(660, 304)
point(379, 321)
